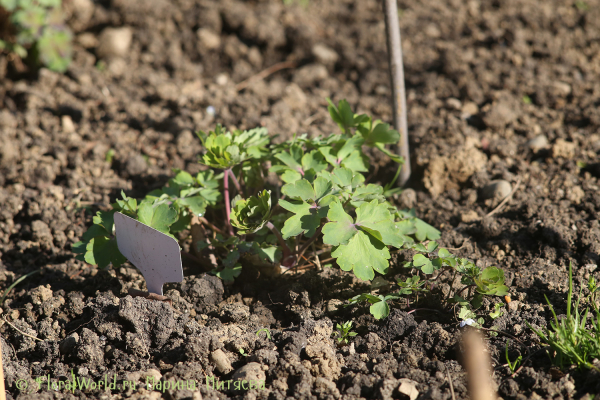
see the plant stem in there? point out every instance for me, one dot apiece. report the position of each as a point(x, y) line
point(394, 45)
point(235, 182)
point(286, 250)
point(227, 203)
point(451, 285)
point(311, 240)
point(463, 289)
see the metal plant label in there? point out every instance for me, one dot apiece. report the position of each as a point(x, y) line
point(155, 254)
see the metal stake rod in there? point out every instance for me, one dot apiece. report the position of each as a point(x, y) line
point(394, 45)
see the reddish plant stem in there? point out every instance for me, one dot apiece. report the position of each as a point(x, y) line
point(227, 203)
point(235, 181)
point(286, 250)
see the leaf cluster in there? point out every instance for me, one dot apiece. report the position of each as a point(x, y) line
point(168, 210)
point(324, 200)
point(39, 29)
point(488, 281)
point(344, 332)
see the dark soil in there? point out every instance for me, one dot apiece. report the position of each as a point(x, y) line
point(483, 79)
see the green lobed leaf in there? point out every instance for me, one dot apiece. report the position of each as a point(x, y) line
point(376, 219)
point(425, 231)
point(160, 217)
point(341, 228)
point(363, 254)
point(103, 251)
point(301, 189)
point(306, 220)
point(196, 204)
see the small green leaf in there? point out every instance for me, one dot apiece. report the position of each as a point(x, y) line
point(159, 218)
point(341, 228)
point(229, 274)
point(425, 231)
point(444, 253)
point(103, 251)
point(300, 189)
point(305, 221)
point(196, 204)
point(380, 310)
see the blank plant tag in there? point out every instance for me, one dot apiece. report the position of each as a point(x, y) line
point(155, 254)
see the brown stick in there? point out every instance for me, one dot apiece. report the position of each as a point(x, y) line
point(476, 361)
point(264, 73)
point(2, 390)
point(394, 45)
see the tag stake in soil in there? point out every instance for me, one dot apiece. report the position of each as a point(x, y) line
point(2, 390)
point(155, 254)
point(394, 46)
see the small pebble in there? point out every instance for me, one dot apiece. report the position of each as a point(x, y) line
point(114, 42)
point(408, 197)
point(67, 124)
point(252, 371)
point(469, 216)
point(219, 358)
point(469, 109)
point(209, 39)
point(498, 189)
point(221, 79)
point(537, 143)
point(408, 388)
point(453, 103)
point(324, 54)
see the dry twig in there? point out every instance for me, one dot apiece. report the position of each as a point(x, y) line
point(2, 391)
point(264, 73)
point(21, 332)
point(450, 382)
point(506, 200)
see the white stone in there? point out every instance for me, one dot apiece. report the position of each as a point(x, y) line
point(114, 42)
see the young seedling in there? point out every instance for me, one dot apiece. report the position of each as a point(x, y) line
point(497, 312)
point(344, 333)
point(265, 330)
point(512, 365)
point(155, 254)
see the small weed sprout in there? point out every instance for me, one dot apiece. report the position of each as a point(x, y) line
point(344, 333)
point(266, 331)
point(572, 342)
point(497, 312)
point(512, 365)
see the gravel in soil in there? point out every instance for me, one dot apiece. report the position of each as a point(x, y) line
point(500, 94)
